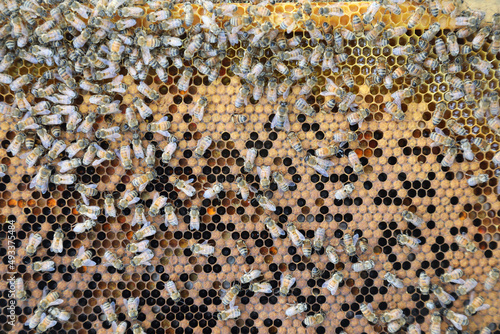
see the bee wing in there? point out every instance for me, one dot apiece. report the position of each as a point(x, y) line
point(134, 200)
point(252, 189)
point(97, 162)
point(274, 122)
point(146, 223)
point(78, 228)
point(355, 239)
point(286, 125)
point(301, 236)
point(114, 326)
point(117, 80)
point(259, 170)
point(483, 307)
point(81, 250)
point(321, 170)
point(33, 181)
point(369, 307)
point(56, 302)
point(135, 303)
point(143, 186)
point(189, 181)
point(325, 284)
point(456, 324)
point(458, 281)
point(164, 133)
point(85, 199)
point(282, 278)
point(472, 296)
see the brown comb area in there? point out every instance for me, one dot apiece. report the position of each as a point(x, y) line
point(402, 172)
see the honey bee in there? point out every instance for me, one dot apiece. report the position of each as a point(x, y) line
point(113, 260)
point(31, 157)
point(394, 280)
point(438, 115)
point(368, 313)
point(213, 191)
point(392, 315)
point(109, 206)
point(332, 255)
point(185, 187)
point(443, 297)
point(109, 311)
point(414, 329)
point(307, 248)
point(475, 180)
point(406, 240)
point(263, 287)
point(439, 138)
point(481, 65)
point(357, 117)
point(204, 249)
point(87, 225)
point(132, 305)
point(286, 282)
point(202, 145)
point(143, 109)
point(314, 320)
point(295, 236)
point(449, 157)
point(475, 305)
point(194, 215)
point(170, 217)
point(393, 109)
point(463, 241)
point(372, 35)
point(458, 320)
point(130, 197)
point(83, 258)
point(138, 247)
point(183, 83)
point(468, 285)
point(58, 179)
point(395, 326)
point(363, 266)
point(242, 247)
point(296, 309)
point(142, 180)
point(41, 179)
point(231, 313)
point(424, 283)
point(230, 295)
point(344, 192)
point(143, 258)
point(369, 15)
point(57, 243)
point(45, 324)
point(35, 319)
point(150, 155)
point(273, 228)
point(412, 218)
point(21, 293)
point(77, 146)
point(294, 142)
point(492, 279)
point(481, 144)
point(34, 241)
point(320, 165)
point(333, 283)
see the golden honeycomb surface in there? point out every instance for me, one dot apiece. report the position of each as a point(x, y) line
point(401, 171)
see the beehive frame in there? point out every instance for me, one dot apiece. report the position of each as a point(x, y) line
point(402, 171)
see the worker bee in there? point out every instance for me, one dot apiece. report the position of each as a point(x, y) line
point(314, 320)
point(183, 83)
point(160, 127)
point(264, 287)
point(406, 240)
point(280, 120)
point(249, 276)
point(202, 146)
point(57, 243)
point(349, 243)
point(286, 282)
point(414, 329)
point(31, 157)
point(143, 258)
point(231, 313)
point(438, 115)
point(172, 291)
point(492, 279)
point(333, 283)
point(475, 180)
point(372, 35)
point(109, 206)
point(273, 228)
point(439, 138)
point(203, 249)
point(170, 217)
point(130, 197)
point(463, 241)
point(393, 109)
point(444, 297)
point(150, 155)
point(148, 91)
point(482, 144)
point(357, 117)
point(368, 313)
point(242, 96)
point(467, 286)
point(132, 305)
point(125, 156)
point(369, 15)
point(344, 192)
point(294, 142)
point(242, 247)
point(109, 311)
point(295, 236)
point(198, 109)
point(283, 184)
point(412, 218)
point(458, 320)
point(394, 326)
point(113, 260)
point(21, 293)
point(58, 179)
point(296, 309)
point(394, 280)
point(327, 151)
point(138, 247)
point(392, 315)
point(34, 241)
point(231, 294)
point(90, 211)
point(466, 147)
point(424, 282)
point(475, 305)
point(320, 165)
point(185, 187)
point(194, 215)
point(449, 157)
point(363, 266)
point(142, 180)
point(35, 319)
point(307, 248)
point(244, 188)
point(83, 258)
point(143, 109)
point(87, 225)
point(47, 322)
point(332, 255)
point(41, 179)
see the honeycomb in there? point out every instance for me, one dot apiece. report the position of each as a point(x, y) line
point(402, 171)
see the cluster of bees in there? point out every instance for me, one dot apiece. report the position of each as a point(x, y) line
point(100, 46)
